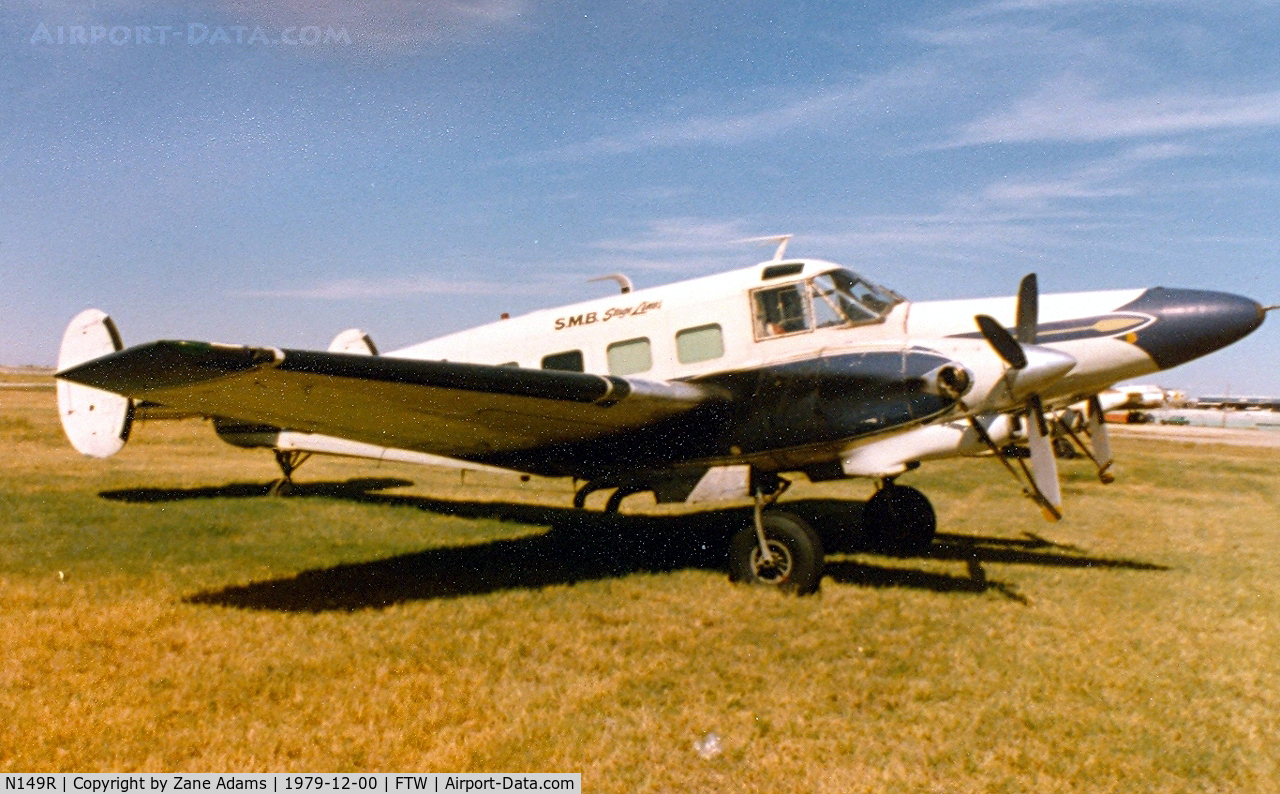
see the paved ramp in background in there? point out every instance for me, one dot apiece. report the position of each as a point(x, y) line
point(1200, 435)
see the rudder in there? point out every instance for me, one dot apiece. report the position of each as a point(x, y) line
point(96, 422)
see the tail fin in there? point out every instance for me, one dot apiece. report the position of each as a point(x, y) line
point(353, 341)
point(96, 422)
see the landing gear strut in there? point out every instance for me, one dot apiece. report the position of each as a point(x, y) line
point(778, 549)
point(288, 461)
point(615, 499)
point(899, 519)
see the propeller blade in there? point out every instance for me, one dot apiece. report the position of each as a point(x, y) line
point(1096, 427)
point(1028, 310)
point(1044, 464)
point(1004, 343)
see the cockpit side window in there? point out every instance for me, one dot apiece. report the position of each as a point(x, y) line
point(781, 310)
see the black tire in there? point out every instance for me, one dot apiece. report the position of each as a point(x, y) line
point(797, 550)
point(615, 498)
point(899, 520)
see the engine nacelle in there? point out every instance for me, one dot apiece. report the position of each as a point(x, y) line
point(891, 456)
point(246, 436)
point(952, 381)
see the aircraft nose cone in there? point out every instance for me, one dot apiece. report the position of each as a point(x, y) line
point(1192, 323)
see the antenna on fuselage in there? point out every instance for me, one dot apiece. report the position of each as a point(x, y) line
point(623, 282)
point(780, 239)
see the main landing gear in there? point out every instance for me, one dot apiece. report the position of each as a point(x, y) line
point(615, 499)
point(778, 549)
point(898, 519)
point(781, 550)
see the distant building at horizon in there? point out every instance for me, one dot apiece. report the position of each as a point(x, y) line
point(1239, 403)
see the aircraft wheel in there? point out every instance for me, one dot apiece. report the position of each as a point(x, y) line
point(282, 488)
point(900, 520)
point(615, 499)
point(796, 567)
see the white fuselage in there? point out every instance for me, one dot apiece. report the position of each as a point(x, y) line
point(661, 314)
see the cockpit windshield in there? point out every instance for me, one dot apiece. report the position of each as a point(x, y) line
point(832, 299)
point(844, 298)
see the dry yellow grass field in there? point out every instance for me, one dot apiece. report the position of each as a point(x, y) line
point(161, 612)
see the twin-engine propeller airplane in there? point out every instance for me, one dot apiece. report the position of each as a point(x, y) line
point(700, 391)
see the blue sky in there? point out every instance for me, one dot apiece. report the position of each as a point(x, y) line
point(431, 165)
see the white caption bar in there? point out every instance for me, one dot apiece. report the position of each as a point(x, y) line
point(280, 783)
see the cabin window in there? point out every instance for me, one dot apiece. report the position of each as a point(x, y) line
point(568, 361)
point(703, 343)
point(781, 310)
point(629, 357)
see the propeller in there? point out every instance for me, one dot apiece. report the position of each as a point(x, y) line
point(1028, 311)
point(1005, 344)
point(1031, 369)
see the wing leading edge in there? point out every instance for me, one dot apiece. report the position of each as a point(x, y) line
point(446, 408)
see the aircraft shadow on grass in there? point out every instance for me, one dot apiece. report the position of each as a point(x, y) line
point(586, 546)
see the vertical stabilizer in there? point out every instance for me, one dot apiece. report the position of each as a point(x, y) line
point(96, 422)
point(353, 341)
